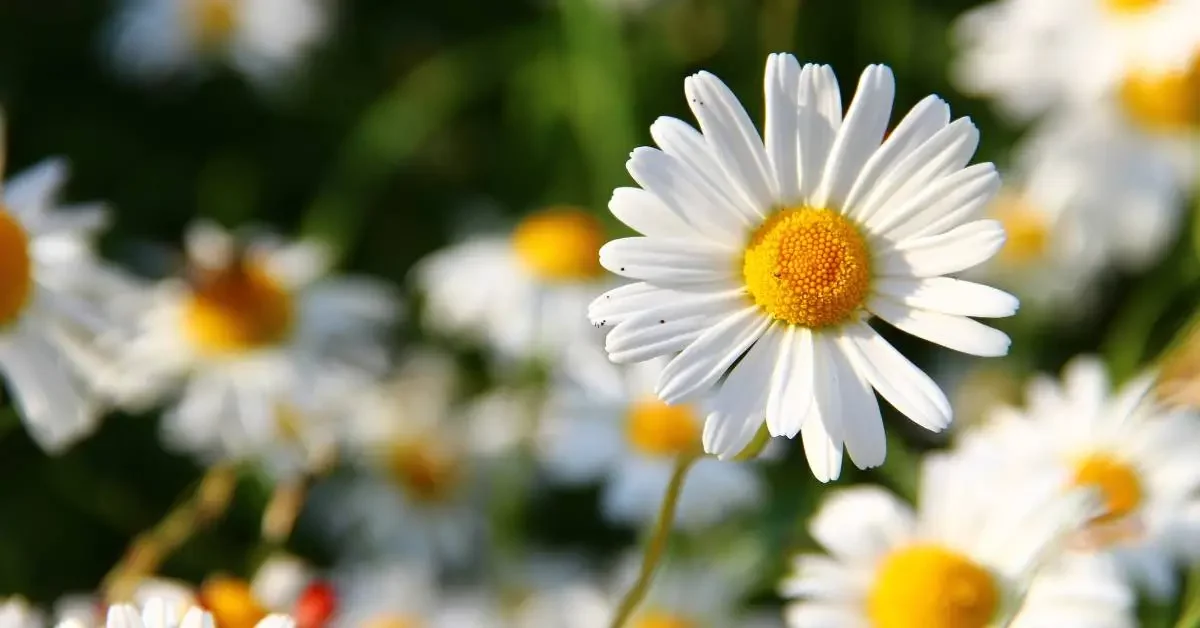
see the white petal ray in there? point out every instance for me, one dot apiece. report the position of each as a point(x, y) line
point(782, 132)
point(679, 140)
point(925, 119)
point(866, 442)
point(949, 296)
point(965, 204)
point(898, 380)
point(704, 361)
point(618, 304)
point(688, 195)
point(859, 136)
point(34, 190)
point(822, 433)
point(726, 436)
point(791, 395)
point(956, 250)
point(123, 616)
point(944, 196)
point(668, 263)
point(630, 344)
point(736, 144)
point(953, 332)
point(820, 117)
point(648, 215)
point(743, 393)
point(196, 618)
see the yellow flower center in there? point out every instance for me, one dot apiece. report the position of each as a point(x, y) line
point(1164, 102)
point(213, 21)
point(426, 472)
point(231, 602)
point(927, 586)
point(1117, 481)
point(237, 309)
point(808, 267)
point(392, 621)
point(659, 619)
point(657, 429)
point(1027, 229)
point(16, 268)
point(560, 244)
point(1131, 6)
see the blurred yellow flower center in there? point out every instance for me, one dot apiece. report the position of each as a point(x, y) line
point(808, 267)
point(237, 309)
point(1164, 102)
point(426, 472)
point(561, 244)
point(658, 429)
point(1117, 481)
point(1131, 6)
point(16, 268)
point(927, 586)
point(213, 21)
point(392, 621)
point(231, 602)
point(658, 619)
point(1027, 230)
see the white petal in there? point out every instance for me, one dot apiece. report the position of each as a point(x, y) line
point(704, 361)
point(617, 304)
point(782, 132)
point(666, 306)
point(815, 615)
point(791, 395)
point(195, 617)
point(726, 436)
point(866, 442)
point(276, 621)
point(736, 144)
point(688, 195)
point(820, 117)
point(928, 117)
point(822, 431)
point(123, 616)
point(954, 332)
point(898, 380)
point(47, 394)
point(647, 215)
point(861, 523)
point(953, 251)
point(34, 190)
point(156, 614)
point(679, 140)
point(859, 136)
point(949, 296)
point(744, 391)
point(208, 244)
point(646, 338)
point(669, 263)
point(972, 187)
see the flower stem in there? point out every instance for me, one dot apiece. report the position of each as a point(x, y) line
point(657, 543)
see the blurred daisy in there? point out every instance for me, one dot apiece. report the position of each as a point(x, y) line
point(1139, 456)
point(522, 295)
point(50, 278)
point(1078, 591)
point(417, 492)
point(763, 264)
point(258, 340)
point(157, 613)
point(17, 612)
point(264, 39)
point(395, 595)
point(963, 560)
point(630, 439)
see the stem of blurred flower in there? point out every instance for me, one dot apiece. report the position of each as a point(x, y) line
point(1189, 617)
point(207, 503)
point(279, 517)
point(658, 541)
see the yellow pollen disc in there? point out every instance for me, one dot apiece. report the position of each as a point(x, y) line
point(808, 267)
point(425, 472)
point(656, 429)
point(1027, 230)
point(392, 621)
point(231, 602)
point(16, 268)
point(1117, 481)
point(560, 244)
point(1165, 102)
point(927, 586)
point(237, 309)
point(213, 21)
point(1131, 6)
point(657, 619)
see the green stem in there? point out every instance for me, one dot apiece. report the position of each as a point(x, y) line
point(657, 543)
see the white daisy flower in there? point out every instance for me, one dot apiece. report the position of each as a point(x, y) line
point(1138, 455)
point(1078, 591)
point(522, 295)
point(264, 39)
point(158, 613)
point(51, 278)
point(763, 264)
point(1033, 56)
point(17, 612)
point(259, 341)
point(630, 440)
point(397, 595)
point(963, 559)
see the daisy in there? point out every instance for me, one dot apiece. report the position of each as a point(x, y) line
point(1137, 454)
point(404, 595)
point(17, 612)
point(523, 294)
point(157, 613)
point(762, 264)
point(51, 278)
point(963, 559)
point(1078, 591)
point(258, 342)
point(631, 440)
point(264, 39)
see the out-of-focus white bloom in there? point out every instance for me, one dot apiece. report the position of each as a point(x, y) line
point(264, 39)
point(17, 612)
point(523, 295)
point(396, 595)
point(765, 256)
point(1078, 590)
point(159, 613)
point(263, 346)
point(630, 440)
point(1139, 456)
point(963, 559)
point(416, 492)
point(1033, 56)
